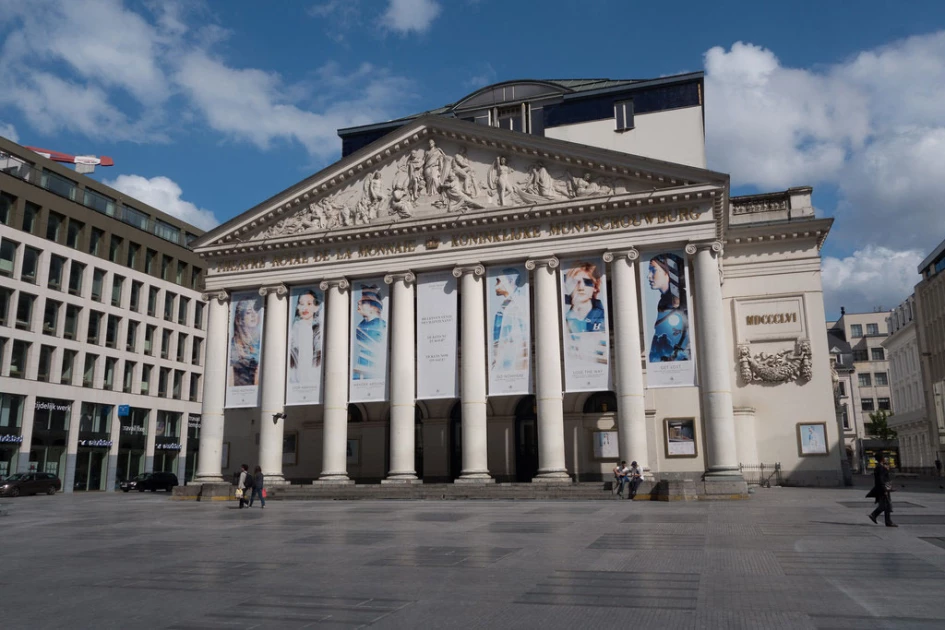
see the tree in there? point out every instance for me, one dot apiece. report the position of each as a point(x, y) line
point(879, 427)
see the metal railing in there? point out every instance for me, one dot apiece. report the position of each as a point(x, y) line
point(764, 475)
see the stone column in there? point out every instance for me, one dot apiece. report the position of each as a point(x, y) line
point(715, 385)
point(473, 376)
point(72, 447)
point(549, 394)
point(631, 404)
point(335, 360)
point(272, 415)
point(210, 458)
point(403, 380)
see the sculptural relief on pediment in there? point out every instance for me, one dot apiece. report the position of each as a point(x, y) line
point(443, 178)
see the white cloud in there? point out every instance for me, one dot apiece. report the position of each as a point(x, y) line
point(164, 194)
point(870, 278)
point(8, 131)
point(406, 16)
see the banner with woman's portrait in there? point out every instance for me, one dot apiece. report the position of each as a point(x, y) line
point(370, 312)
point(664, 278)
point(585, 329)
point(437, 376)
point(303, 383)
point(508, 324)
point(245, 349)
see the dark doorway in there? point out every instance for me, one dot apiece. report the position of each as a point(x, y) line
point(526, 439)
point(418, 443)
point(456, 440)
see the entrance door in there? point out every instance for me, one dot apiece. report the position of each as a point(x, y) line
point(526, 440)
point(456, 440)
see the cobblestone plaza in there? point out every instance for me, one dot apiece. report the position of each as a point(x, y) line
point(786, 558)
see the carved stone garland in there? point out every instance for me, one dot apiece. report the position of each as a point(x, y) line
point(780, 367)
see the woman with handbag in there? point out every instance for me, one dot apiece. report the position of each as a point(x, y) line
point(243, 485)
point(880, 491)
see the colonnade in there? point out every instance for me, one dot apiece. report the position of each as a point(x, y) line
point(714, 357)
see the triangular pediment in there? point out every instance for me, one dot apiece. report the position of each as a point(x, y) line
point(436, 167)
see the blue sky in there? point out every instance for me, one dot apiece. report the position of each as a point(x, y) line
point(210, 107)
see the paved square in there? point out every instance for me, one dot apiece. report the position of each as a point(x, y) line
point(786, 558)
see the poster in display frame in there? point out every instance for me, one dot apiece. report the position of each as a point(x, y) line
point(585, 329)
point(305, 346)
point(680, 439)
point(437, 336)
point(604, 446)
point(668, 343)
point(508, 326)
point(370, 312)
point(247, 313)
point(812, 439)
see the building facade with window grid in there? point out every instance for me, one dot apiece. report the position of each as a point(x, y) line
point(100, 307)
point(930, 329)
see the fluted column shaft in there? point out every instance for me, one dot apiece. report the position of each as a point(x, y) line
point(210, 453)
point(631, 404)
point(549, 393)
point(335, 439)
point(403, 380)
point(271, 418)
point(721, 457)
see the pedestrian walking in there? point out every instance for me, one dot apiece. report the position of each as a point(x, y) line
point(938, 467)
point(244, 485)
point(880, 492)
point(259, 489)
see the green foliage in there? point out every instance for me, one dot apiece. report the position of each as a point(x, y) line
point(879, 427)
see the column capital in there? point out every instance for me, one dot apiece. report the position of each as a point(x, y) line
point(221, 296)
point(631, 254)
point(534, 263)
point(407, 276)
point(279, 289)
point(715, 246)
point(340, 283)
point(462, 270)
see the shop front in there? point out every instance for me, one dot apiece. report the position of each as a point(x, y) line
point(11, 419)
point(132, 444)
point(91, 466)
point(50, 436)
point(167, 441)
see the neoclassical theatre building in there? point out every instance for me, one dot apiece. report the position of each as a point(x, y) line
point(530, 284)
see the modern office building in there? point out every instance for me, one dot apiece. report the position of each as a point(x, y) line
point(102, 328)
point(526, 285)
point(930, 331)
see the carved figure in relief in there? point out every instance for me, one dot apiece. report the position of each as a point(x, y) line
point(780, 367)
point(541, 186)
point(434, 164)
point(400, 204)
point(414, 167)
point(456, 198)
point(464, 173)
point(585, 187)
point(500, 181)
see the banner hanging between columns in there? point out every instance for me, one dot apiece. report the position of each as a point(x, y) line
point(246, 326)
point(664, 278)
point(584, 316)
point(305, 347)
point(437, 376)
point(508, 324)
point(369, 348)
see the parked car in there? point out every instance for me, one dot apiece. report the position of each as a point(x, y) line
point(29, 483)
point(150, 481)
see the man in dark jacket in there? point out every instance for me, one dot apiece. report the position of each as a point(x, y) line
point(880, 492)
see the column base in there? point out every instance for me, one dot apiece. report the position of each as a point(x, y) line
point(405, 480)
point(333, 481)
point(474, 478)
point(200, 480)
point(552, 476)
point(273, 480)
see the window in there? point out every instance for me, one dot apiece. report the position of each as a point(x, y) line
point(865, 380)
point(166, 231)
point(182, 309)
point(178, 383)
point(181, 346)
point(165, 343)
point(54, 226)
point(30, 215)
point(133, 249)
point(88, 374)
point(149, 256)
point(135, 295)
point(861, 355)
point(74, 234)
point(149, 340)
point(135, 217)
point(152, 300)
point(114, 249)
point(95, 240)
point(98, 279)
point(68, 362)
point(7, 206)
point(110, 364)
point(132, 337)
point(169, 306)
point(882, 379)
point(111, 331)
point(129, 377)
point(95, 324)
point(195, 278)
point(513, 118)
point(76, 270)
point(194, 387)
point(198, 315)
point(99, 202)
point(58, 184)
point(163, 375)
point(57, 264)
point(5, 295)
point(51, 316)
point(117, 281)
point(45, 363)
point(72, 321)
point(24, 311)
point(877, 354)
point(30, 265)
point(872, 329)
point(623, 115)
point(145, 378)
point(845, 417)
point(841, 388)
point(181, 271)
point(195, 351)
point(21, 351)
point(166, 267)
point(883, 403)
point(856, 330)
point(7, 257)
point(866, 404)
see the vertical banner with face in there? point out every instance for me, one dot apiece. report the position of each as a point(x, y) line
point(369, 324)
point(664, 279)
point(586, 336)
point(303, 385)
point(508, 324)
point(437, 376)
point(246, 326)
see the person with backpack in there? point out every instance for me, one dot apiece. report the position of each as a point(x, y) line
point(244, 485)
point(258, 488)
